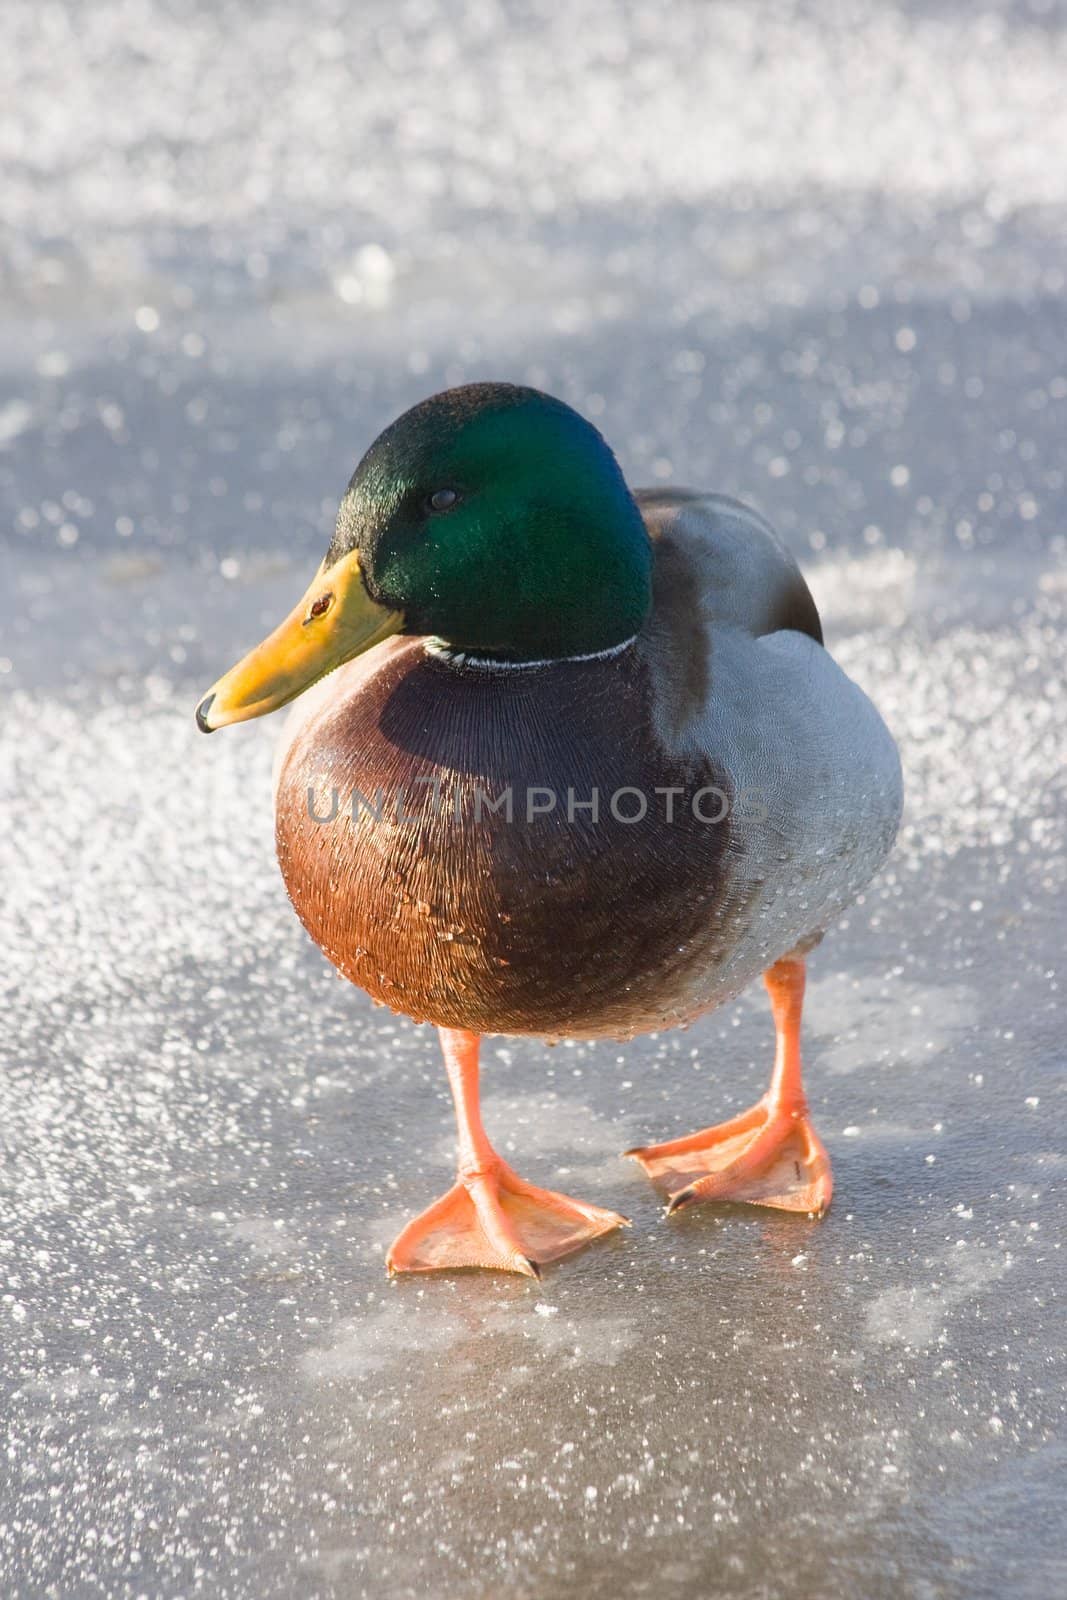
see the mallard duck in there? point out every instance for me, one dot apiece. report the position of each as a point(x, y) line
point(581, 767)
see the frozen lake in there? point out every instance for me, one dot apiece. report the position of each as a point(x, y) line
point(810, 255)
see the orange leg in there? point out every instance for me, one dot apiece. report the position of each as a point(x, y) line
point(770, 1155)
point(490, 1217)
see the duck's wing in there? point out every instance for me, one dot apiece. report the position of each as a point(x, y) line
point(722, 580)
point(742, 572)
point(740, 682)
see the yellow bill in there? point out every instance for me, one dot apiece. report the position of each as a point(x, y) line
point(336, 620)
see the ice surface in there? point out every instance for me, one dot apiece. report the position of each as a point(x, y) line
point(811, 255)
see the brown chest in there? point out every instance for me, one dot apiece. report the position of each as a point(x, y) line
point(505, 852)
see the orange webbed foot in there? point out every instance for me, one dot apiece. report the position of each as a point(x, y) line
point(492, 1218)
point(768, 1156)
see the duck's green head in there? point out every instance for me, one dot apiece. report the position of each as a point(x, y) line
point(491, 517)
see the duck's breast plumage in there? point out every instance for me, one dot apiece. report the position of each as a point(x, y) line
point(550, 920)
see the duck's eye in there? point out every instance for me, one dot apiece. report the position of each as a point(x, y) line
point(441, 499)
point(318, 608)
